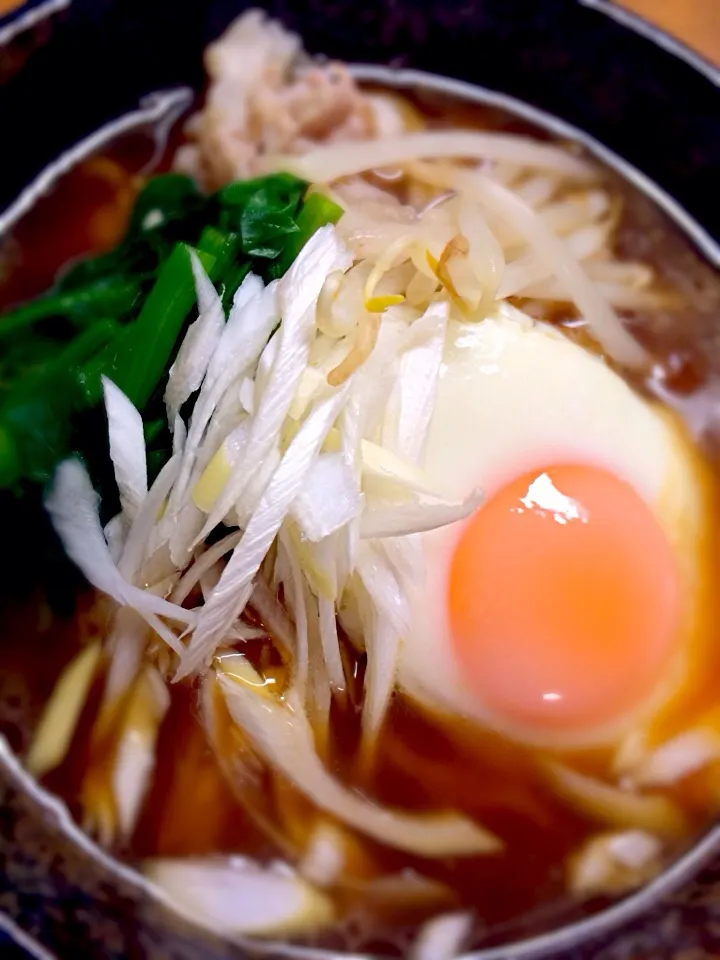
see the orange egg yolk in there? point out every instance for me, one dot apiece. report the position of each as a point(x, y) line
point(564, 600)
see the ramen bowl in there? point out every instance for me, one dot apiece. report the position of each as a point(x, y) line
point(110, 73)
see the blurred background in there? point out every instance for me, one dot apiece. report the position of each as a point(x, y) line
point(695, 22)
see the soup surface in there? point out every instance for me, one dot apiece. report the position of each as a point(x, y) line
point(493, 707)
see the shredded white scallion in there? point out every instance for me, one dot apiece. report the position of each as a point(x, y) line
point(284, 738)
point(127, 448)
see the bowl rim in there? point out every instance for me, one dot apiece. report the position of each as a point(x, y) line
point(27, 16)
point(640, 25)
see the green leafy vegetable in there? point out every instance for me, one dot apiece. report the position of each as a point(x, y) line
point(264, 212)
point(315, 213)
point(232, 281)
point(148, 346)
point(123, 314)
point(166, 202)
point(106, 296)
point(35, 417)
point(224, 247)
point(153, 428)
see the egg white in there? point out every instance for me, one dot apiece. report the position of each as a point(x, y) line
point(515, 395)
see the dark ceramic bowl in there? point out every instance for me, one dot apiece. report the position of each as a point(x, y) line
point(586, 70)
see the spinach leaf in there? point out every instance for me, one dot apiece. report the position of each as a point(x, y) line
point(123, 314)
point(165, 202)
point(264, 211)
point(317, 211)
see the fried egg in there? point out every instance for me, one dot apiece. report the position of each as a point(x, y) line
point(572, 602)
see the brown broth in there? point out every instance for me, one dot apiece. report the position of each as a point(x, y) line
point(423, 762)
point(85, 213)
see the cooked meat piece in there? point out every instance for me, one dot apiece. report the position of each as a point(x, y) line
point(265, 97)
